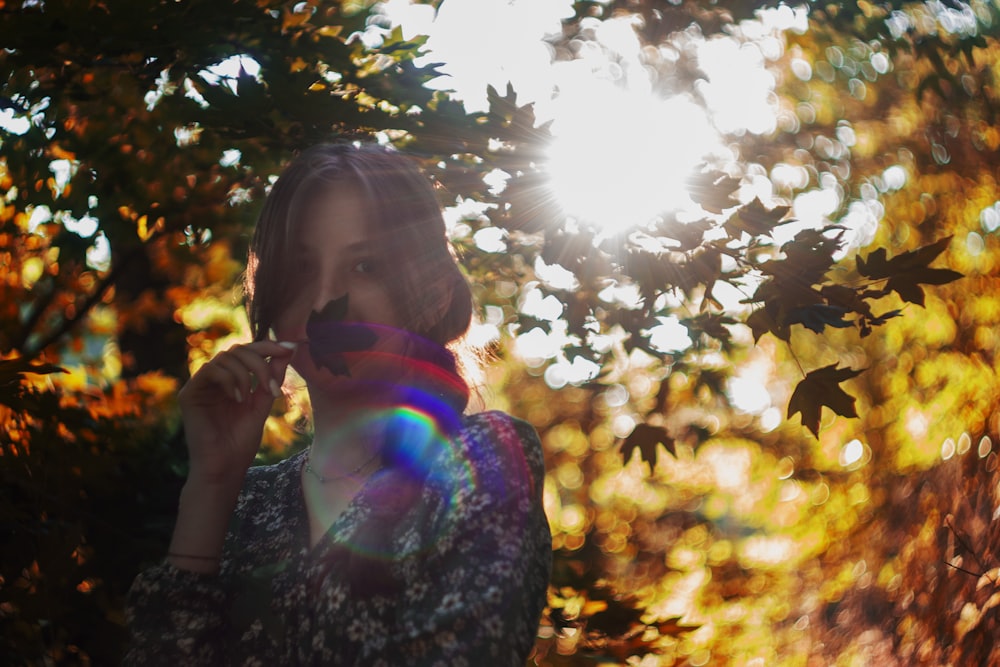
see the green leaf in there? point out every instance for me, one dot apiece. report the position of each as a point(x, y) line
point(822, 387)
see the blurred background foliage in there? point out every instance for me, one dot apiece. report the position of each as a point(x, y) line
point(138, 138)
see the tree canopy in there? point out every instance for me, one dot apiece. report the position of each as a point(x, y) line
point(748, 494)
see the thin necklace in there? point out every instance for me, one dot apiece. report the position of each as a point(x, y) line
point(350, 475)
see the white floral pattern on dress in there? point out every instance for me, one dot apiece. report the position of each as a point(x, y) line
point(278, 601)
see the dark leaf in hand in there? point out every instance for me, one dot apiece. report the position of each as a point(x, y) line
point(822, 387)
point(645, 438)
point(330, 337)
point(334, 311)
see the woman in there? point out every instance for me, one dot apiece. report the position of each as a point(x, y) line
point(408, 533)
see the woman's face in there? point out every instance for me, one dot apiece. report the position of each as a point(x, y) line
point(334, 253)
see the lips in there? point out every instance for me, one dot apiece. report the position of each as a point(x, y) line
point(331, 338)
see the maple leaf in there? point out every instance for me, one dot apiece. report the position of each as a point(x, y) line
point(330, 338)
point(848, 298)
point(819, 316)
point(808, 256)
point(713, 190)
point(786, 302)
point(703, 267)
point(822, 387)
point(761, 321)
point(645, 438)
point(907, 271)
point(650, 270)
point(689, 235)
point(712, 325)
point(756, 220)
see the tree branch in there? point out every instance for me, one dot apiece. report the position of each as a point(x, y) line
point(83, 309)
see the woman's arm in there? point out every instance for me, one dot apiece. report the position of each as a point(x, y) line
point(177, 617)
point(203, 514)
point(177, 612)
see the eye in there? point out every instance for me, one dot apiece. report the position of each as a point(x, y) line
point(365, 266)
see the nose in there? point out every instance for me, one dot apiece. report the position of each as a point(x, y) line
point(331, 305)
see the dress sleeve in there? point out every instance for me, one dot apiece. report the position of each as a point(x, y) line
point(480, 594)
point(176, 617)
point(179, 617)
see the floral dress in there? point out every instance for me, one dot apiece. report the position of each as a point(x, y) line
point(472, 554)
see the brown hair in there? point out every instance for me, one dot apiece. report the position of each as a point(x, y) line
point(433, 295)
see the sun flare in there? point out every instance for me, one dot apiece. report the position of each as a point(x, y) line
point(619, 159)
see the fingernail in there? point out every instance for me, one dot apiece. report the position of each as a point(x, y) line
point(238, 395)
point(275, 389)
point(288, 344)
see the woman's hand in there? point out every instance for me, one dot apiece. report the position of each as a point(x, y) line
point(224, 407)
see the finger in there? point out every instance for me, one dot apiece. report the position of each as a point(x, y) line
point(262, 400)
point(271, 348)
point(278, 367)
point(259, 367)
point(233, 374)
point(211, 381)
point(279, 363)
point(236, 370)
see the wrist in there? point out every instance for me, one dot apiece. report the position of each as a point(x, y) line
point(213, 484)
point(203, 516)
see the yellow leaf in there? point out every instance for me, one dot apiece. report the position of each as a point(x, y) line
point(330, 30)
point(290, 19)
point(142, 230)
point(31, 271)
point(58, 153)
